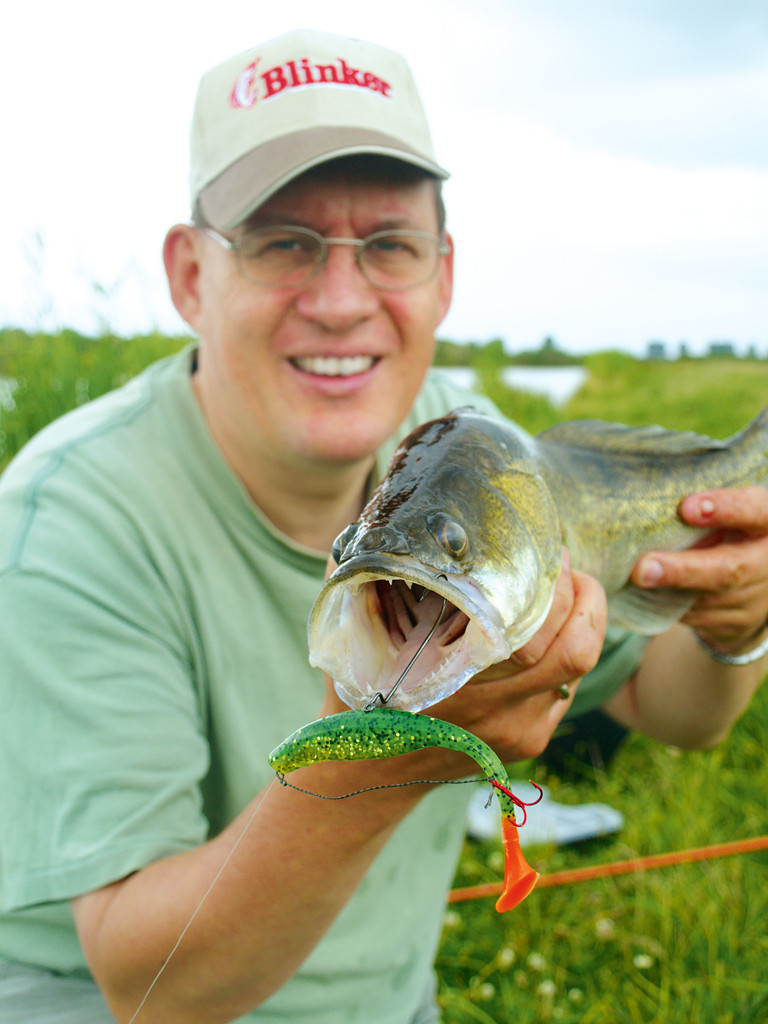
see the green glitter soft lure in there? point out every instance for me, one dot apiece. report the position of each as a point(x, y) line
point(384, 732)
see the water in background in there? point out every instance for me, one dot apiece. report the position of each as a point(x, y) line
point(7, 388)
point(557, 383)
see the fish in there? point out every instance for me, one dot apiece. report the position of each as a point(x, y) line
point(475, 511)
point(386, 732)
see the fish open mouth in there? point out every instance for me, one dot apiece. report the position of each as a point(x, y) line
point(411, 616)
point(405, 609)
point(369, 622)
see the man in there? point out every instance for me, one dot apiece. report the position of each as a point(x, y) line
point(161, 550)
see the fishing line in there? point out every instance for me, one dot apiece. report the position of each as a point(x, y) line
point(284, 782)
point(205, 896)
point(522, 804)
point(369, 789)
point(373, 703)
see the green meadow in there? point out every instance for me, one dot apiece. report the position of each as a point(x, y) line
point(674, 945)
point(677, 945)
point(43, 376)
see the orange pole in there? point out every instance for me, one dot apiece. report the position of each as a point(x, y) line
point(620, 867)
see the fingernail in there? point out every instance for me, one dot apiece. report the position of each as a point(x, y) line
point(706, 507)
point(651, 572)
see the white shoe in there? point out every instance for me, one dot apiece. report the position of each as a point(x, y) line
point(548, 823)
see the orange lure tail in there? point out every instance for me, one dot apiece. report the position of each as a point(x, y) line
point(519, 876)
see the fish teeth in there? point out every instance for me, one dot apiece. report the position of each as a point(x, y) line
point(335, 366)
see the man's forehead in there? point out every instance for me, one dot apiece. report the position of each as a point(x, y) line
point(332, 190)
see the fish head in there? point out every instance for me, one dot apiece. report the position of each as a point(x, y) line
point(471, 524)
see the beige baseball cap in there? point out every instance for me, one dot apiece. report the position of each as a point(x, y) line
point(267, 115)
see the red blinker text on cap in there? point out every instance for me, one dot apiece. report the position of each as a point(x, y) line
point(250, 87)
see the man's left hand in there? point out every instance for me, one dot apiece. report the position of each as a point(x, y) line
point(729, 568)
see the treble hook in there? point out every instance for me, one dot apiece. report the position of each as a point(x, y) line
point(378, 700)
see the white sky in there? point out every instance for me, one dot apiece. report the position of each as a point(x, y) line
point(609, 158)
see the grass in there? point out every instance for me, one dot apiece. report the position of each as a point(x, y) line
point(47, 375)
point(682, 945)
point(710, 396)
point(677, 945)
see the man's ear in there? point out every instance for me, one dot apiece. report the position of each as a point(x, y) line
point(181, 256)
point(445, 282)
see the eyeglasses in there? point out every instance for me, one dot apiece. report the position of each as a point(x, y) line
point(291, 256)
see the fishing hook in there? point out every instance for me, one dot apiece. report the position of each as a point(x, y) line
point(522, 804)
point(380, 701)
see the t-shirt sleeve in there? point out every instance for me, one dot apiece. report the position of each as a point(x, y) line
point(102, 745)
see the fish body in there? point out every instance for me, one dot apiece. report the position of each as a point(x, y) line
point(475, 510)
point(364, 735)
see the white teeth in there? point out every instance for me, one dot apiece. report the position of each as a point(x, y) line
point(335, 366)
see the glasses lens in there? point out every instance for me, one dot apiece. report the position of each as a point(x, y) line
point(279, 255)
point(399, 259)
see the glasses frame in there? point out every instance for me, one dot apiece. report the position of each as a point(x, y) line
point(443, 249)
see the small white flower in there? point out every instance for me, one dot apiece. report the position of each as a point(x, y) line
point(642, 961)
point(506, 957)
point(496, 861)
point(537, 962)
point(605, 929)
point(575, 995)
point(486, 991)
point(547, 989)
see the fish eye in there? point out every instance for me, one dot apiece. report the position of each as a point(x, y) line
point(343, 541)
point(451, 535)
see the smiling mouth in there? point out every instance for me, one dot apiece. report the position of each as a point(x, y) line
point(335, 366)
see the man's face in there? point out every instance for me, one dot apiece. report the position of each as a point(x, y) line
point(325, 371)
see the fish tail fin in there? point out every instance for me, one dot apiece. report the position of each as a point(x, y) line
point(757, 428)
point(519, 876)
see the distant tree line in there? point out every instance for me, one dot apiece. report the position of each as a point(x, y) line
point(715, 350)
point(493, 353)
point(481, 355)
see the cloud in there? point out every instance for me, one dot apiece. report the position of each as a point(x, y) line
point(677, 83)
point(609, 159)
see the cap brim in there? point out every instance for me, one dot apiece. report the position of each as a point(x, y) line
point(239, 190)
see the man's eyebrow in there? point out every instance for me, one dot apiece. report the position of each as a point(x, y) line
point(272, 220)
point(397, 224)
point(276, 220)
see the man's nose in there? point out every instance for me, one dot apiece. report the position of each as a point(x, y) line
point(338, 295)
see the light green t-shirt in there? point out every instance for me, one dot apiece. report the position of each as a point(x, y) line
point(154, 651)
